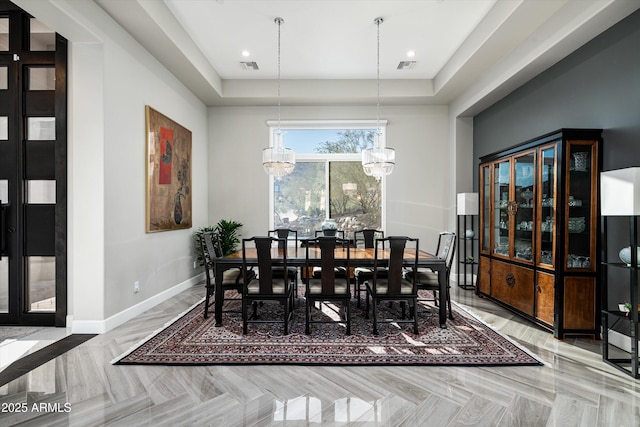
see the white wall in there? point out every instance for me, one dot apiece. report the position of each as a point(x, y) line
point(159, 260)
point(111, 79)
point(417, 203)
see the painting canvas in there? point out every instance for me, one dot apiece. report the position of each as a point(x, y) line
point(168, 173)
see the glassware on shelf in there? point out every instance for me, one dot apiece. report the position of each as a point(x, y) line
point(580, 161)
point(528, 196)
point(577, 225)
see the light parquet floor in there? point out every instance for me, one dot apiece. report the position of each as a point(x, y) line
point(82, 388)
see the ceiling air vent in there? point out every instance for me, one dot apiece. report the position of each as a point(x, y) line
point(406, 65)
point(249, 65)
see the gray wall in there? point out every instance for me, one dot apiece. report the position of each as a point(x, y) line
point(598, 86)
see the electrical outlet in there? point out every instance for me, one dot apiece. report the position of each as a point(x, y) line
point(136, 287)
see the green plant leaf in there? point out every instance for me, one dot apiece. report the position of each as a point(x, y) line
point(229, 231)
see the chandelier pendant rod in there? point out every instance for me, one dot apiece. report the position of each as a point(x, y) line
point(378, 21)
point(279, 21)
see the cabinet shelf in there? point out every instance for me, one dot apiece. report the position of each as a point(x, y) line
point(467, 270)
point(611, 353)
point(618, 313)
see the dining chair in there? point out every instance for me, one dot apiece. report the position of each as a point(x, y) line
point(394, 287)
point(231, 279)
point(365, 238)
point(292, 272)
point(340, 271)
point(330, 286)
point(427, 279)
point(266, 286)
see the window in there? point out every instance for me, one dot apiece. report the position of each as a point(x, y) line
point(328, 181)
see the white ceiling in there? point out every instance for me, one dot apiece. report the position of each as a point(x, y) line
point(328, 47)
point(331, 39)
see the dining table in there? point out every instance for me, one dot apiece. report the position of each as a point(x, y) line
point(358, 257)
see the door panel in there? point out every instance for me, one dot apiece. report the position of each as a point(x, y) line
point(579, 302)
point(545, 297)
point(32, 172)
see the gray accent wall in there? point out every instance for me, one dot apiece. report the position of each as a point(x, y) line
point(598, 86)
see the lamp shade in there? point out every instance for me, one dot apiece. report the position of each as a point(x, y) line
point(468, 204)
point(620, 192)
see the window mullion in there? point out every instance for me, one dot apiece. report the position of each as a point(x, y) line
point(327, 188)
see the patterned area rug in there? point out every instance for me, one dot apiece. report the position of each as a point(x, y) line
point(193, 340)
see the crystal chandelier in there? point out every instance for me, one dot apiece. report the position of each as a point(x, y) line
point(378, 161)
point(278, 160)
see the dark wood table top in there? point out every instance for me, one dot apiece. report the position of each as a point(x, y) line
point(297, 255)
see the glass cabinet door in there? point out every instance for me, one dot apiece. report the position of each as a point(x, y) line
point(501, 207)
point(485, 212)
point(524, 197)
point(547, 214)
point(580, 205)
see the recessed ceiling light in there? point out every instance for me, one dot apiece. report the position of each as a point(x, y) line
point(246, 53)
point(411, 53)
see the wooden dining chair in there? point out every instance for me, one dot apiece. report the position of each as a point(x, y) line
point(267, 286)
point(394, 287)
point(427, 279)
point(329, 286)
point(286, 234)
point(231, 279)
point(365, 238)
point(340, 271)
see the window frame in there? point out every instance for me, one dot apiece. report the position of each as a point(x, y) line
point(285, 125)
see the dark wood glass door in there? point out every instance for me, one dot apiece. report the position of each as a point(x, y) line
point(32, 171)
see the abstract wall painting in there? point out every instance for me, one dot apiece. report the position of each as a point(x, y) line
point(168, 197)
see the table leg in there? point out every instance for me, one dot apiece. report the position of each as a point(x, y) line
point(442, 295)
point(219, 294)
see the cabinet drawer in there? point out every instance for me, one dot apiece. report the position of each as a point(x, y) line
point(512, 285)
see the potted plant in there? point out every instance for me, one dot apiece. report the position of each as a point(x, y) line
point(228, 230)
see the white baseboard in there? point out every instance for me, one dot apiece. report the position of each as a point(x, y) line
point(102, 326)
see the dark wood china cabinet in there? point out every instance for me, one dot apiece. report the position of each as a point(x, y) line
point(539, 228)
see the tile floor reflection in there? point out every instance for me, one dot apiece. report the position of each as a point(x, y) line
point(82, 387)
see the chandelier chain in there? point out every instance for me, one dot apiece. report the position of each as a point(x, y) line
point(378, 161)
point(378, 22)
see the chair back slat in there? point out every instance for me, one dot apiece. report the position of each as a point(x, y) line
point(210, 244)
point(446, 247)
point(396, 262)
point(211, 250)
point(368, 237)
point(327, 246)
point(263, 247)
point(206, 247)
point(328, 262)
point(284, 234)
